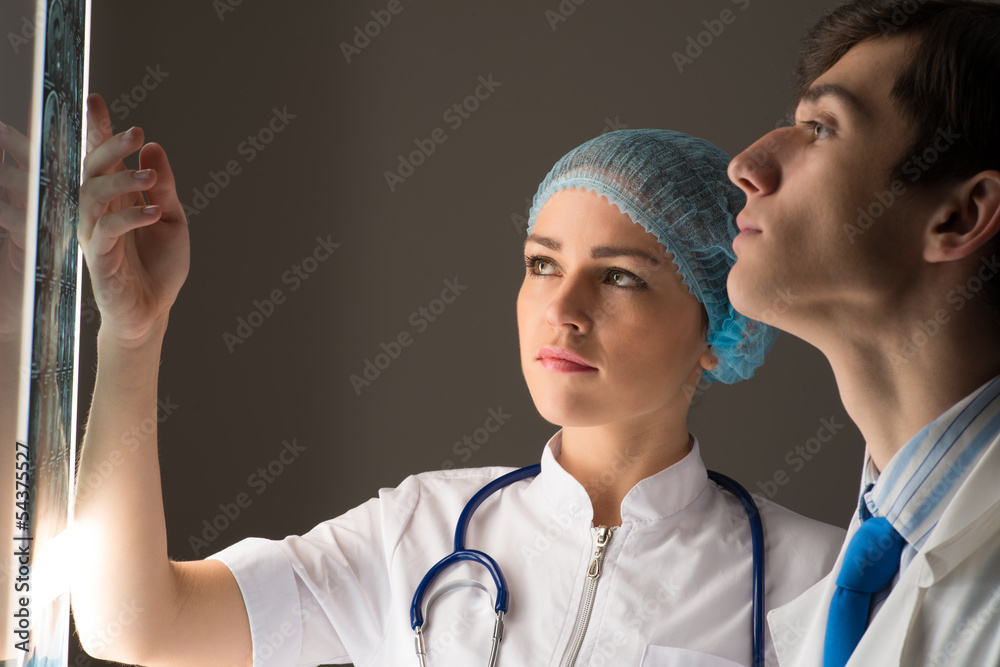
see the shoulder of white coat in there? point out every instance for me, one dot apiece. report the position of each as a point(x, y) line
point(439, 494)
point(790, 529)
point(799, 535)
point(800, 551)
point(441, 488)
point(791, 539)
point(798, 526)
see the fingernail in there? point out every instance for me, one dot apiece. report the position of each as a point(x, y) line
point(128, 134)
point(150, 210)
point(3, 128)
point(141, 175)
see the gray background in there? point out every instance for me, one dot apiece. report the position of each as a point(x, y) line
point(323, 175)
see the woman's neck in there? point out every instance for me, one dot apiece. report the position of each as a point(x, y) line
point(609, 460)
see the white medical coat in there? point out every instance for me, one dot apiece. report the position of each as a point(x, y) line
point(945, 608)
point(675, 587)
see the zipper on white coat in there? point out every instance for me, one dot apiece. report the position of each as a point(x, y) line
point(603, 536)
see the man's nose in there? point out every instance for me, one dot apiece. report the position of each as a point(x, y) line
point(757, 170)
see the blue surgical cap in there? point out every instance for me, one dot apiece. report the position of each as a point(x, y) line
point(676, 187)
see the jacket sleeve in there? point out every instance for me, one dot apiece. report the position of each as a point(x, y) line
point(323, 597)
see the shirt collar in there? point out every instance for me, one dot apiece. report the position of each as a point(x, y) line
point(922, 478)
point(655, 497)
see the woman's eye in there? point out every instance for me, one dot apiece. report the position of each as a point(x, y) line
point(620, 278)
point(539, 265)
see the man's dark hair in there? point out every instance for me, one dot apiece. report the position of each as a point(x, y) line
point(951, 83)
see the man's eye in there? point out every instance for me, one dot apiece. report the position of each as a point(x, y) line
point(819, 131)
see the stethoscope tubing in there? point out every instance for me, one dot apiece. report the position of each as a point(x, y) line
point(757, 549)
point(470, 508)
point(461, 553)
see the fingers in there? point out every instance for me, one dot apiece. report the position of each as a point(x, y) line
point(95, 193)
point(16, 144)
point(15, 179)
point(98, 122)
point(14, 221)
point(164, 191)
point(112, 226)
point(109, 156)
point(110, 188)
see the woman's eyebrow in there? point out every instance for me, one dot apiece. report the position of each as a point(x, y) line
point(597, 252)
point(552, 244)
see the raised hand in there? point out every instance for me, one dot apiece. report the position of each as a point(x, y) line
point(138, 254)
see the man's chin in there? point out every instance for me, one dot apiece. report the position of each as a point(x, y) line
point(744, 292)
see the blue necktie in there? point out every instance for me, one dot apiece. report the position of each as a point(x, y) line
point(870, 562)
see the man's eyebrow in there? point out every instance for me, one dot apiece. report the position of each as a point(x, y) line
point(837, 91)
point(597, 252)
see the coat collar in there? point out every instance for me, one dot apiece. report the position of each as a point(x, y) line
point(971, 518)
point(923, 477)
point(656, 497)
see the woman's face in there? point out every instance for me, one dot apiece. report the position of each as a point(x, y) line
point(601, 288)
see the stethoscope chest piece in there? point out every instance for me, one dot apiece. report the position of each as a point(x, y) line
point(418, 634)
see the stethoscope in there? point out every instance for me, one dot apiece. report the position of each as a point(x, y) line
point(461, 553)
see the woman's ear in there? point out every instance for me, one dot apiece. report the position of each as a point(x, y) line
point(968, 218)
point(708, 360)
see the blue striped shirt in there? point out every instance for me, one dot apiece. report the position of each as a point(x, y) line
point(922, 478)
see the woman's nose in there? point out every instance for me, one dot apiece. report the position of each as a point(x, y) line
point(572, 306)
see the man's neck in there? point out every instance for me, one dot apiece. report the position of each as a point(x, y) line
point(892, 389)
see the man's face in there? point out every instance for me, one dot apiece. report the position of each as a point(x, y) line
point(815, 255)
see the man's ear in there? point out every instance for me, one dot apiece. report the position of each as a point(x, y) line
point(968, 217)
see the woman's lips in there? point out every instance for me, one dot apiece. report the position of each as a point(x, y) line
point(564, 366)
point(563, 361)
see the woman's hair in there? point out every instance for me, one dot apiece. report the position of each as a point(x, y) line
point(676, 187)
